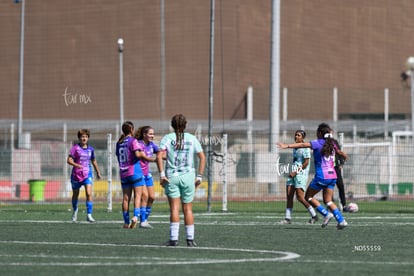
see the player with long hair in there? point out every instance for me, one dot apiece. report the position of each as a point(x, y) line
point(324, 150)
point(128, 153)
point(81, 156)
point(298, 179)
point(145, 137)
point(179, 178)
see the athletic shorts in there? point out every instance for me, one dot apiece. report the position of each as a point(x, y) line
point(322, 184)
point(133, 181)
point(299, 182)
point(76, 185)
point(149, 182)
point(181, 186)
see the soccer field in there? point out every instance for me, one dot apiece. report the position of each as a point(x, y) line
point(43, 241)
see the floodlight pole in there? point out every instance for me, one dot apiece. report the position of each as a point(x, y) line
point(275, 78)
point(412, 100)
point(410, 66)
point(121, 80)
point(162, 57)
point(210, 109)
point(21, 74)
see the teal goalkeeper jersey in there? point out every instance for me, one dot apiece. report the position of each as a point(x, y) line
point(180, 161)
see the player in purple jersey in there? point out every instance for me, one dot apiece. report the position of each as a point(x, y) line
point(145, 136)
point(128, 153)
point(80, 157)
point(324, 150)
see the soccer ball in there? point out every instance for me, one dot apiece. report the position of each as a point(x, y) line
point(353, 207)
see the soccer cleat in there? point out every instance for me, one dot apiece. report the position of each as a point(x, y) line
point(134, 222)
point(75, 215)
point(313, 220)
point(145, 224)
point(89, 218)
point(171, 243)
point(326, 220)
point(126, 226)
point(191, 243)
point(342, 225)
point(285, 221)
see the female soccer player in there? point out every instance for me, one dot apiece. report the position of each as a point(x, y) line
point(128, 153)
point(145, 136)
point(179, 178)
point(324, 151)
point(80, 157)
point(298, 179)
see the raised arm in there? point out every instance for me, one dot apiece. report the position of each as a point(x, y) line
point(294, 145)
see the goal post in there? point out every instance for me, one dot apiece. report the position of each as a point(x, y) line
point(370, 166)
point(109, 170)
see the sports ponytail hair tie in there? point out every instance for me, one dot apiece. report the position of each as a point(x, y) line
point(328, 135)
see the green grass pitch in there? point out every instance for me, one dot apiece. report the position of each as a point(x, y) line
point(40, 239)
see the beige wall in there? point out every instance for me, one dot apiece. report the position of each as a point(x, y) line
point(358, 46)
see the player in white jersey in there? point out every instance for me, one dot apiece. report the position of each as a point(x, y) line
point(179, 178)
point(298, 179)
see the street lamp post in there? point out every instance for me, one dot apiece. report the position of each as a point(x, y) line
point(121, 80)
point(410, 67)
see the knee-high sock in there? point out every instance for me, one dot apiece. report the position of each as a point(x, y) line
point(189, 231)
point(89, 207)
point(338, 215)
point(74, 204)
point(322, 210)
point(174, 228)
point(126, 217)
point(143, 213)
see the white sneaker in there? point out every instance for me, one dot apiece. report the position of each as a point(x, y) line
point(145, 224)
point(75, 215)
point(285, 221)
point(313, 220)
point(342, 225)
point(89, 218)
point(134, 221)
point(327, 219)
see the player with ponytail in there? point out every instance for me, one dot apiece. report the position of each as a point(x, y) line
point(180, 178)
point(128, 153)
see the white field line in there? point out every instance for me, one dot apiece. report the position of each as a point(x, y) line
point(76, 261)
point(274, 256)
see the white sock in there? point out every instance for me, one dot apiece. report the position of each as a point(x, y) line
point(288, 213)
point(189, 231)
point(174, 228)
point(312, 211)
